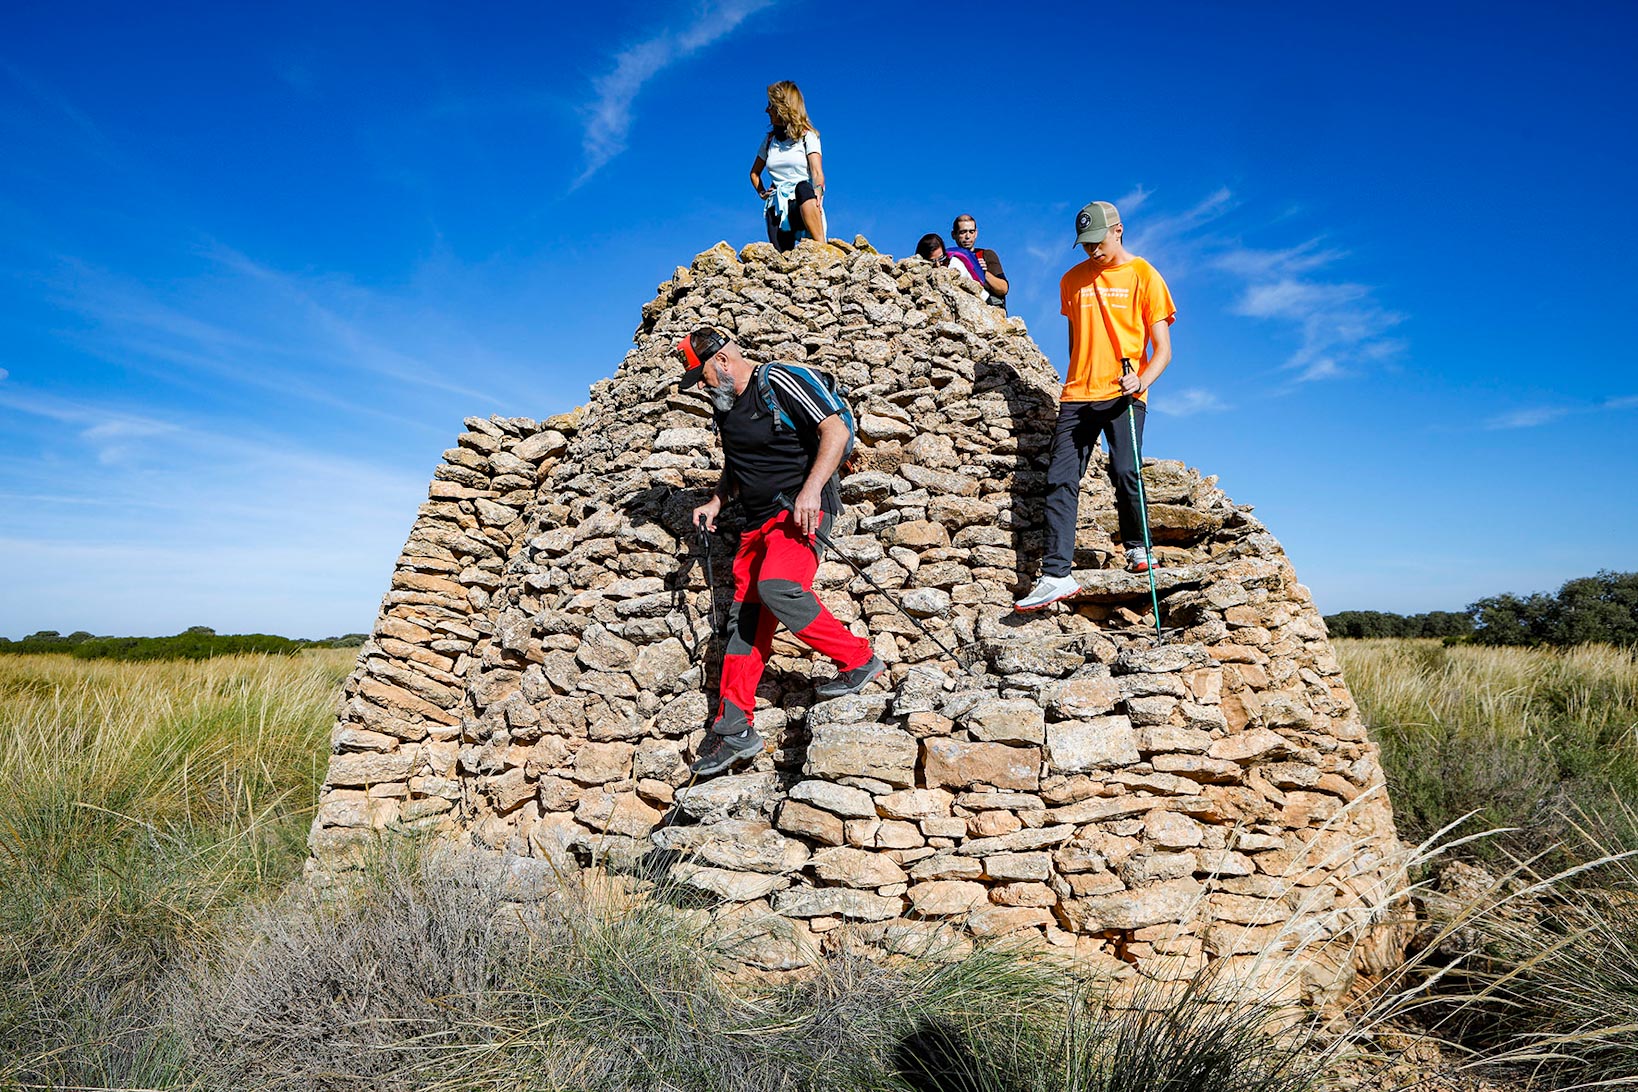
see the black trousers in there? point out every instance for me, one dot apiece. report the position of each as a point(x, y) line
point(1073, 438)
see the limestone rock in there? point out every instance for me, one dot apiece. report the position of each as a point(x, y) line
point(821, 826)
point(941, 898)
point(842, 800)
point(1074, 746)
point(837, 902)
point(727, 884)
point(1171, 901)
point(737, 844)
point(856, 868)
point(952, 763)
point(876, 751)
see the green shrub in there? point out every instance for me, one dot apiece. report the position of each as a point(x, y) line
point(1601, 608)
point(46, 640)
point(192, 645)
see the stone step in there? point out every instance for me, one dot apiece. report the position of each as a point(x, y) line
point(1118, 585)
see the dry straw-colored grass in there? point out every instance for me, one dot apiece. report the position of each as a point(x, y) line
point(151, 816)
point(139, 803)
point(1525, 739)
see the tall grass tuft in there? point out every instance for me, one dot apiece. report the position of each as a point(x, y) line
point(1553, 973)
point(138, 804)
point(1521, 738)
point(426, 979)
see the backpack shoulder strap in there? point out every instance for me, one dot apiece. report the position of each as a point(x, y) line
point(765, 394)
point(819, 386)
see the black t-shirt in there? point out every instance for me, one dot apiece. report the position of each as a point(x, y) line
point(763, 459)
point(992, 264)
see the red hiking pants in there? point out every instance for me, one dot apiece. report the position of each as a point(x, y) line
point(773, 583)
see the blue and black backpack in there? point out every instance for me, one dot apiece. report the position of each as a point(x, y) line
point(826, 389)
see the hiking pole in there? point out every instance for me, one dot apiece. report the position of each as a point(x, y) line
point(824, 540)
point(1143, 504)
point(711, 588)
point(710, 575)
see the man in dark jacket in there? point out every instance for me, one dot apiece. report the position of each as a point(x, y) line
point(764, 465)
point(965, 233)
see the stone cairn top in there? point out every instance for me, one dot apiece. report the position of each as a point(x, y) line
point(544, 662)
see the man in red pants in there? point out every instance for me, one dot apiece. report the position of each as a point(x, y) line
point(765, 463)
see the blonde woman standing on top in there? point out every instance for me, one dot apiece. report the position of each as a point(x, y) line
point(793, 198)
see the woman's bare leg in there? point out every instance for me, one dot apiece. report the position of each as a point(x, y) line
point(813, 218)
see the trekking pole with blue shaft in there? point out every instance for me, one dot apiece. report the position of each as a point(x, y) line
point(1143, 505)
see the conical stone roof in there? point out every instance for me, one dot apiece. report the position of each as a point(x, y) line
point(544, 662)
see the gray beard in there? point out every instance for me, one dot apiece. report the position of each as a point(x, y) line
point(721, 397)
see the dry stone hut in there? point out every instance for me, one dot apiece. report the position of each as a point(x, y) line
point(542, 666)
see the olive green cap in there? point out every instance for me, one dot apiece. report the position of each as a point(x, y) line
point(1093, 222)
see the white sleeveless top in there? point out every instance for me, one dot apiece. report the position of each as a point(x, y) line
point(787, 160)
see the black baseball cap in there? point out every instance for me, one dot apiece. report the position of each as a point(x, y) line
point(696, 349)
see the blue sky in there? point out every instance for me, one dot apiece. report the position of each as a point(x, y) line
point(257, 261)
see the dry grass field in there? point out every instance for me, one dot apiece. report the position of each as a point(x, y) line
point(153, 816)
point(140, 804)
point(1539, 741)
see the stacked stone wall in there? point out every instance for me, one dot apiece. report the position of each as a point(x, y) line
point(540, 671)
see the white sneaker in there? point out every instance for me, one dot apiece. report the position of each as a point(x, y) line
point(1048, 589)
point(1138, 560)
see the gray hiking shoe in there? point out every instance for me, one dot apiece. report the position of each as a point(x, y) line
point(1048, 589)
point(1138, 560)
point(718, 752)
point(853, 681)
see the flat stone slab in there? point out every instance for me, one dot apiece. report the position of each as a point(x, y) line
point(1118, 585)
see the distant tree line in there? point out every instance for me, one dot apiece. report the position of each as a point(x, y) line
point(1602, 608)
point(193, 643)
point(1381, 623)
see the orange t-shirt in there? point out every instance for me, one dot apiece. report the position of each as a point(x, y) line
point(1134, 297)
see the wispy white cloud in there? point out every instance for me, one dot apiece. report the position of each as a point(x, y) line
point(352, 343)
point(119, 439)
point(1529, 418)
point(1189, 401)
point(1175, 241)
point(1534, 416)
point(1263, 263)
point(102, 424)
point(609, 116)
point(1294, 299)
point(1340, 323)
point(141, 522)
point(247, 327)
point(1132, 200)
point(1324, 367)
point(55, 102)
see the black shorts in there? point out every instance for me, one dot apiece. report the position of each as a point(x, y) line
point(786, 240)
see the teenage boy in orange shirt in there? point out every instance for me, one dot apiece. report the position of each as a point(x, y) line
point(1118, 308)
